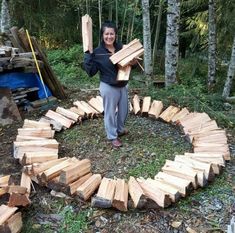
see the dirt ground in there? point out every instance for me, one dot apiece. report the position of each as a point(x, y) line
point(205, 210)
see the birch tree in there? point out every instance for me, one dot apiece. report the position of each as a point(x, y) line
point(172, 42)
point(5, 16)
point(147, 38)
point(231, 73)
point(159, 18)
point(212, 44)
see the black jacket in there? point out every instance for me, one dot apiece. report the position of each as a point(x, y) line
point(99, 61)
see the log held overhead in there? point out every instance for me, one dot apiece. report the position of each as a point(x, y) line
point(87, 33)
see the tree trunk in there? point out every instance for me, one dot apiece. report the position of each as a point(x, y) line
point(147, 38)
point(133, 21)
point(212, 44)
point(100, 12)
point(87, 7)
point(111, 12)
point(158, 26)
point(100, 16)
point(117, 13)
point(128, 31)
point(230, 74)
point(5, 17)
point(124, 18)
point(172, 42)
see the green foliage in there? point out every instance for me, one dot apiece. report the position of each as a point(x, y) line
point(73, 222)
point(67, 64)
point(191, 92)
point(164, 149)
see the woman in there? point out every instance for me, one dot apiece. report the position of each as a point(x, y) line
point(113, 92)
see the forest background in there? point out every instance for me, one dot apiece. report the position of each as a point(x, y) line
point(57, 25)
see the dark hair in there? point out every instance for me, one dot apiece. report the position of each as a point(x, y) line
point(108, 24)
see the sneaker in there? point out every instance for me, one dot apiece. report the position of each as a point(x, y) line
point(124, 132)
point(116, 143)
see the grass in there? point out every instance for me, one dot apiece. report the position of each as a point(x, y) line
point(74, 220)
point(149, 144)
point(145, 149)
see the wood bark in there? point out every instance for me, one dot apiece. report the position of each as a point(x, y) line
point(5, 17)
point(89, 187)
point(6, 212)
point(121, 195)
point(116, 12)
point(230, 73)
point(147, 38)
point(132, 22)
point(212, 44)
point(13, 224)
point(105, 194)
point(172, 42)
point(123, 19)
point(158, 26)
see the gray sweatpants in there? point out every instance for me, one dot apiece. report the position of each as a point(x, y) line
point(115, 102)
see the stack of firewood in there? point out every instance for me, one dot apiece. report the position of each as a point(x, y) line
point(63, 118)
point(16, 55)
point(74, 177)
point(35, 142)
point(123, 58)
point(10, 220)
point(62, 175)
point(12, 58)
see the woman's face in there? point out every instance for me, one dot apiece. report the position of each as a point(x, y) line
point(109, 36)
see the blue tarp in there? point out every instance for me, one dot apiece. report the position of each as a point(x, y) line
point(16, 79)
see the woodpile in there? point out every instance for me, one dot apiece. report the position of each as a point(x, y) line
point(16, 55)
point(74, 177)
point(10, 220)
point(124, 56)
